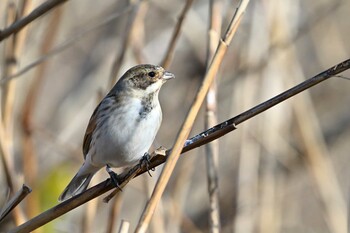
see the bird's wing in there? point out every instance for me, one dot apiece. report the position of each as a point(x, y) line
point(89, 131)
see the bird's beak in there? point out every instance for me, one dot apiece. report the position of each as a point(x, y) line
point(167, 75)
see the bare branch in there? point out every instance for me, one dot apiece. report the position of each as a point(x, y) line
point(36, 13)
point(16, 199)
point(170, 51)
point(211, 119)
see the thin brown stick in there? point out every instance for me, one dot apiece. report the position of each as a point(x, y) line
point(6, 109)
point(194, 142)
point(113, 213)
point(36, 13)
point(125, 44)
point(170, 51)
point(10, 67)
point(138, 34)
point(13, 48)
point(190, 118)
point(124, 227)
point(212, 149)
point(16, 199)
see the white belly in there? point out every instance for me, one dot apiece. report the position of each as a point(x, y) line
point(126, 137)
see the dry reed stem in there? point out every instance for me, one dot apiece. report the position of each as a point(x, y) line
point(179, 194)
point(159, 221)
point(36, 13)
point(124, 227)
point(7, 96)
point(10, 67)
point(138, 34)
point(113, 213)
point(190, 118)
point(126, 41)
point(6, 161)
point(248, 164)
point(88, 216)
point(159, 158)
point(15, 200)
point(13, 49)
point(212, 149)
point(171, 48)
point(274, 123)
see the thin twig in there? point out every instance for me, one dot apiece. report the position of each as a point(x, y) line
point(7, 107)
point(36, 13)
point(16, 199)
point(13, 48)
point(212, 149)
point(138, 34)
point(124, 227)
point(170, 51)
point(194, 142)
point(125, 44)
point(113, 213)
point(190, 118)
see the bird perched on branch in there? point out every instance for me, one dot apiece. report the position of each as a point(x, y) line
point(123, 126)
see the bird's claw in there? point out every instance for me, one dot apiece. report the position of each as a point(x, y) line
point(113, 176)
point(146, 159)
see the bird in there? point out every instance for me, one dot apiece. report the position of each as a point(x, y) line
point(123, 126)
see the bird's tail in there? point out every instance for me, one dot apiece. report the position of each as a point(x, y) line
point(78, 184)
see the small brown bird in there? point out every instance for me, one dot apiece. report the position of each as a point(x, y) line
point(123, 126)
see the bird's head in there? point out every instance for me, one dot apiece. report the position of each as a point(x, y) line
point(145, 78)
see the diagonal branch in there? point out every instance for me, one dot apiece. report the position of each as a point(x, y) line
point(15, 200)
point(175, 36)
point(36, 13)
point(196, 141)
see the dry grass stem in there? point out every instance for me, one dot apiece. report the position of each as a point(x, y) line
point(36, 13)
point(138, 33)
point(176, 33)
point(114, 213)
point(13, 49)
point(127, 40)
point(7, 97)
point(212, 149)
point(15, 200)
point(124, 227)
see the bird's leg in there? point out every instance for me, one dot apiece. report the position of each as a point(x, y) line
point(146, 159)
point(114, 177)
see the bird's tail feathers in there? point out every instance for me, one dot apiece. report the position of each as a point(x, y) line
point(78, 184)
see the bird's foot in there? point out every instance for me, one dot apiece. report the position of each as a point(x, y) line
point(113, 176)
point(146, 161)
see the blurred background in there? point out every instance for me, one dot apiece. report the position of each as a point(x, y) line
point(285, 170)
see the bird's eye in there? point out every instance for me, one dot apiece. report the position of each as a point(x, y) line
point(151, 74)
